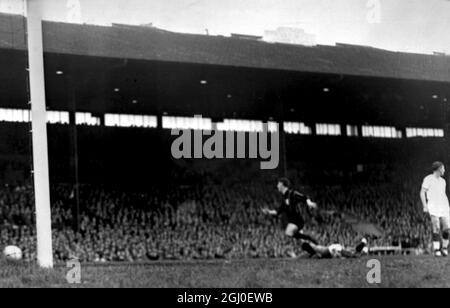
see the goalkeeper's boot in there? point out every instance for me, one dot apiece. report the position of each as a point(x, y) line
point(437, 253)
point(444, 252)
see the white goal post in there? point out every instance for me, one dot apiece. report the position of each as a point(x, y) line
point(39, 133)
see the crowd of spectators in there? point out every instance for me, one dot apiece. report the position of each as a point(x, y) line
point(207, 221)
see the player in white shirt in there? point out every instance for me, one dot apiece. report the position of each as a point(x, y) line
point(435, 202)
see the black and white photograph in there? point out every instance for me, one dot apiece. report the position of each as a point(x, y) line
point(224, 149)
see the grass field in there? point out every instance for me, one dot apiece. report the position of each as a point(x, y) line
point(396, 271)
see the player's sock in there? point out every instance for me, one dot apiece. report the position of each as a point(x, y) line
point(436, 244)
point(445, 240)
point(300, 236)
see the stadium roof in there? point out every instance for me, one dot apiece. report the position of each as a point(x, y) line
point(152, 44)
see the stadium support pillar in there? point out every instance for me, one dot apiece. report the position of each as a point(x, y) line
point(446, 113)
point(74, 159)
point(75, 196)
point(283, 162)
point(282, 170)
point(39, 134)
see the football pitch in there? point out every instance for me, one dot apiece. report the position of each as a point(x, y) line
point(396, 271)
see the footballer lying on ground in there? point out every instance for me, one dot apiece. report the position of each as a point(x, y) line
point(334, 250)
point(291, 203)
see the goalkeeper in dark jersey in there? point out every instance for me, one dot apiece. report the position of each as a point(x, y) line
point(291, 203)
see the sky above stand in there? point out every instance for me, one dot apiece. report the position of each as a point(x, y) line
point(420, 26)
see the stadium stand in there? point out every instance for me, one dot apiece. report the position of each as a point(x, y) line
point(207, 221)
point(137, 204)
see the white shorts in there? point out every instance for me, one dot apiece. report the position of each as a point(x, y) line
point(440, 212)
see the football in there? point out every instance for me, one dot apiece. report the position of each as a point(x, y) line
point(12, 253)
